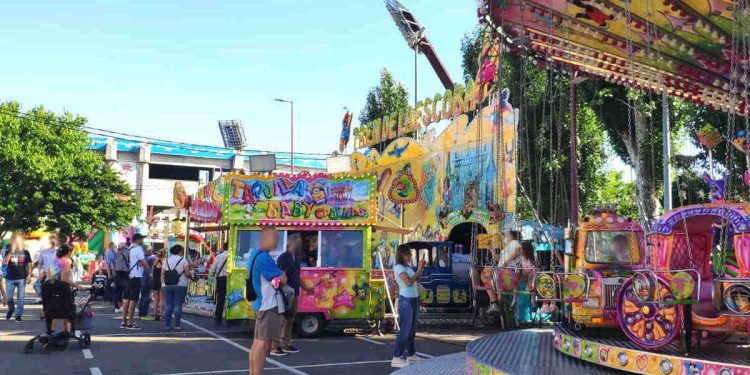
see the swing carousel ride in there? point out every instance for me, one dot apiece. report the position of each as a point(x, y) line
point(682, 283)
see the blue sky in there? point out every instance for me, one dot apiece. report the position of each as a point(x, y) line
point(172, 69)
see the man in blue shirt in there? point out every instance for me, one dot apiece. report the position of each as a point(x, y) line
point(267, 318)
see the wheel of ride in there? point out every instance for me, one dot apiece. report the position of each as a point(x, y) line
point(649, 324)
point(84, 342)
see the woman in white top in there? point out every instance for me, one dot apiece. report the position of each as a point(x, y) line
point(175, 274)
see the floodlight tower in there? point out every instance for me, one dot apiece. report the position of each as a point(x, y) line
point(416, 39)
point(232, 134)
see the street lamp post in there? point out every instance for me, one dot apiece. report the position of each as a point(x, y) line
point(291, 155)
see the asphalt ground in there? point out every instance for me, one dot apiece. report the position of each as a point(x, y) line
point(201, 348)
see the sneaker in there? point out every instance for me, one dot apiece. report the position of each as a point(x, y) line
point(123, 325)
point(133, 327)
point(290, 349)
point(167, 328)
point(494, 307)
point(38, 301)
point(278, 352)
point(177, 328)
point(413, 359)
point(399, 362)
point(117, 311)
point(19, 319)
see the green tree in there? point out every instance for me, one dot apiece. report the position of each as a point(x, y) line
point(389, 96)
point(52, 181)
point(471, 46)
point(617, 191)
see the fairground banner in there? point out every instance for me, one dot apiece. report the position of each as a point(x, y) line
point(302, 199)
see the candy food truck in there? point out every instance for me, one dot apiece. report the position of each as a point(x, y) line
point(333, 216)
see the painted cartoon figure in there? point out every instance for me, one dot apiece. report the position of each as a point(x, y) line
point(717, 187)
point(471, 198)
point(318, 193)
point(692, 368)
point(593, 14)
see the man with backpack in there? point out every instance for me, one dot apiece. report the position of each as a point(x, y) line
point(219, 270)
point(263, 278)
point(137, 267)
point(121, 276)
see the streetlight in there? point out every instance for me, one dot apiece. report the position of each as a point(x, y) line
point(292, 126)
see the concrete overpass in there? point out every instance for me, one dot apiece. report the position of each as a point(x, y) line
point(151, 168)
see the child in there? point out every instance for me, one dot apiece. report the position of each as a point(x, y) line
point(99, 282)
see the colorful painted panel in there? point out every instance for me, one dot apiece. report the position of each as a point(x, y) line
point(300, 200)
point(638, 361)
point(736, 214)
point(685, 48)
point(458, 176)
point(343, 293)
point(340, 294)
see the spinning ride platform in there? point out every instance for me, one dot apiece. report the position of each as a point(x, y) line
point(563, 351)
point(615, 351)
point(528, 351)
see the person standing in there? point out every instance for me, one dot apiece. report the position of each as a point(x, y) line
point(45, 260)
point(61, 269)
point(156, 281)
point(262, 271)
point(137, 266)
point(145, 301)
point(175, 273)
point(219, 270)
point(122, 271)
point(408, 307)
point(110, 255)
point(18, 262)
point(290, 263)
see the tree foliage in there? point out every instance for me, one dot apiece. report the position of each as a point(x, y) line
point(52, 181)
point(389, 96)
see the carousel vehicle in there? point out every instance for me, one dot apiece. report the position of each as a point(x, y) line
point(445, 280)
point(700, 262)
point(609, 248)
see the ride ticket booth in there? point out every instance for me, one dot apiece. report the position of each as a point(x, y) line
point(333, 217)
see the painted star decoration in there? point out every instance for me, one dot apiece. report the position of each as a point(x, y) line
point(343, 299)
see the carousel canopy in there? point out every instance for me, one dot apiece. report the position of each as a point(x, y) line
point(694, 49)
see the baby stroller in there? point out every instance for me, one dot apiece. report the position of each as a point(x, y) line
point(58, 302)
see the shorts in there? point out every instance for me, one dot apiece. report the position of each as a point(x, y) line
point(133, 289)
point(267, 325)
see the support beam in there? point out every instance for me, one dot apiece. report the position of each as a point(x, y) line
point(666, 152)
point(573, 154)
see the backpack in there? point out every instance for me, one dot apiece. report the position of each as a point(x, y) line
point(250, 293)
point(171, 277)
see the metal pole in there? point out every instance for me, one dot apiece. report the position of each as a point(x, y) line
point(292, 152)
point(573, 154)
point(666, 151)
point(187, 233)
point(416, 59)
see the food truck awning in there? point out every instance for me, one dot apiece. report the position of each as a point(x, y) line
point(383, 228)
